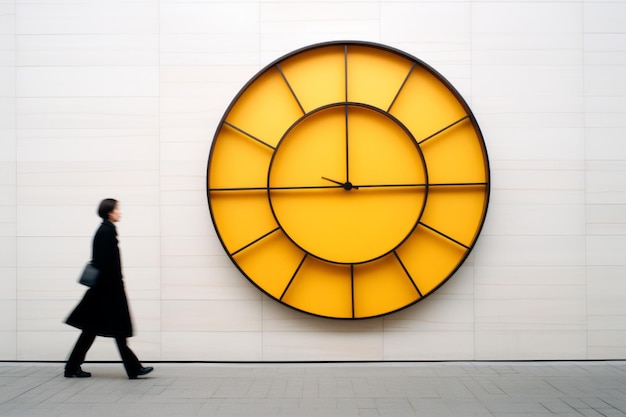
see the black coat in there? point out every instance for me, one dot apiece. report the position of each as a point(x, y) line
point(104, 307)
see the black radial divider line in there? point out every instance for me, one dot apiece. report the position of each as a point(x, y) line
point(282, 188)
point(293, 93)
point(450, 238)
point(401, 87)
point(251, 136)
point(341, 185)
point(294, 276)
point(466, 117)
point(352, 286)
point(458, 184)
point(345, 71)
point(347, 109)
point(347, 150)
point(408, 275)
point(255, 241)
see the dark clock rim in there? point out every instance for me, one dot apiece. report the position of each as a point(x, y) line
point(440, 78)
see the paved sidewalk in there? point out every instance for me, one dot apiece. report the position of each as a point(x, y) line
point(324, 390)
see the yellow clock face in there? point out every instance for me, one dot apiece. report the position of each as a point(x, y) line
point(348, 180)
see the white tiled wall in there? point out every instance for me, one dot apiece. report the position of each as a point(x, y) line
point(8, 183)
point(605, 178)
point(121, 99)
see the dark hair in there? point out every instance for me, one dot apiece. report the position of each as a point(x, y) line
point(106, 206)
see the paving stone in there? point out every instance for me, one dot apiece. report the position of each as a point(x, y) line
point(483, 389)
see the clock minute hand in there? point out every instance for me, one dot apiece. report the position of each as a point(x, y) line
point(346, 185)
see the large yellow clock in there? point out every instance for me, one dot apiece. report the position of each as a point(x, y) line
point(348, 180)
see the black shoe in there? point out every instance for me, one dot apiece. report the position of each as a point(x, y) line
point(141, 372)
point(79, 373)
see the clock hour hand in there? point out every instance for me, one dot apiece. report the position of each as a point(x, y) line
point(346, 185)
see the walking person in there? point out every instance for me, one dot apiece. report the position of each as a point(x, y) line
point(103, 311)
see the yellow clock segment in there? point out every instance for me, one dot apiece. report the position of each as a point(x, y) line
point(348, 180)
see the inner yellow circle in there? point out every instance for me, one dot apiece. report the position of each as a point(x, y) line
point(347, 184)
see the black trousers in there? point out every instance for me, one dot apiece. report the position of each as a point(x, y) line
point(84, 342)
